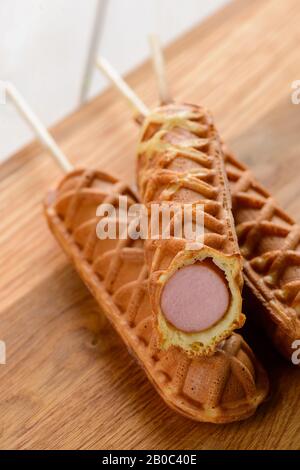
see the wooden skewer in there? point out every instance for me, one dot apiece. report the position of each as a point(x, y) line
point(160, 70)
point(137, 104)
point(41, 132)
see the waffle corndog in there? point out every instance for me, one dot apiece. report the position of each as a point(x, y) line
point(195, 294)
point(225, 387)
point(270, 244)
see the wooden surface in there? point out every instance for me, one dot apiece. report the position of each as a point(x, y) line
point(69, 381)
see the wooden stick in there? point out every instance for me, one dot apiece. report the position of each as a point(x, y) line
point(41, 132)
point(160, 70)
point(122, 86)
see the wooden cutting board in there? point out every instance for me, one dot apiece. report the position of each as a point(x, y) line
point(69, 381)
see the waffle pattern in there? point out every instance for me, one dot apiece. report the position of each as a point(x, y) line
point(227, 386)
point(270, 244)
point(180, 160)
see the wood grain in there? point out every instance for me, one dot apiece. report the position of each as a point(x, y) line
point(69, 381)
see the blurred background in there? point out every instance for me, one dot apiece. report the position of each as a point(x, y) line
point(47, 49)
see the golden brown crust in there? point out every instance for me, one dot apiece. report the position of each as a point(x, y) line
point(270, 244)
point(225, 387)
point(180, 159)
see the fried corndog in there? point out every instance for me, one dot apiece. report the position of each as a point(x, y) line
point(269, 240)
point(195, 288)
point(228, 386)
point(195, 292)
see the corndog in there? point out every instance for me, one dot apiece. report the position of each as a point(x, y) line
point(228, 386)
point(195, 293)
point(269, 240)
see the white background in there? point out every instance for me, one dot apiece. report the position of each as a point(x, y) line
point(44, 46)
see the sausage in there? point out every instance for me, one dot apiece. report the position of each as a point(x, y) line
point(195, 289)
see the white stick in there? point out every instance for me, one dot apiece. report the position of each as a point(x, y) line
point(160, 70)
point(43, 135)
point(122, 86)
